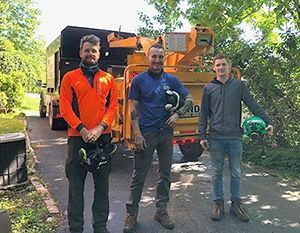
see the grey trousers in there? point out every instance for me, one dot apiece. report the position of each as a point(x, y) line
point(163, 143)
point(76, 174)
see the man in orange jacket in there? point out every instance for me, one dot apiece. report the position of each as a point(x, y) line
point(88, 103)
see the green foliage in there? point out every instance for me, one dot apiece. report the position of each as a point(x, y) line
point(27, 210)
point(12, 87)
point(168, 18)
point(25, 206)
point(9, 58)
point(149, 30)
point(19, 23)
point(272, 73)
point(225, 17)
point(284, 161)
point(10, 123)
point(3, 102)
point(32, 67)
point(30, 103)
point(20, 51)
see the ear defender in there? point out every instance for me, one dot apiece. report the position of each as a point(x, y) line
point(173, 101)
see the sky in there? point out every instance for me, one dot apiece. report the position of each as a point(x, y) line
point(101, 14)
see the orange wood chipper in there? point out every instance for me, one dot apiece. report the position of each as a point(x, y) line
point(184, 59)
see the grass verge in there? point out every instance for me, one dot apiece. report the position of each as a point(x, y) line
point(31, 102)
point(11, 123)
point(27, 210)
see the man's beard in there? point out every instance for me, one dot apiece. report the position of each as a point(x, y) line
point(88, 62)
point(154, 69)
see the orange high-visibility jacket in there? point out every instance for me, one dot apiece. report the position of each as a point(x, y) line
point(82, 104)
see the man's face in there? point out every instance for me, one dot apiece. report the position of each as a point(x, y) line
point(89, 53)
point(222, 67)
point(156, 59)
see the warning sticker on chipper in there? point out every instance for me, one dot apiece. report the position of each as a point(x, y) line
point(194, 112)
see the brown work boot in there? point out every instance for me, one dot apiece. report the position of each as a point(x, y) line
point(238, 210)
point(218, 210)
point(165, 220)
point(129, 223)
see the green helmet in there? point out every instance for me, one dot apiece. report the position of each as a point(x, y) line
point(254, 126)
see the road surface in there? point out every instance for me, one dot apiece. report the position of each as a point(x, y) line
point(272, 203)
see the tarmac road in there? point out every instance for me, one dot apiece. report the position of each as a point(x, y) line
point(273, 204)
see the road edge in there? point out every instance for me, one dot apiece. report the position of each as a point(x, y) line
point(34, 179)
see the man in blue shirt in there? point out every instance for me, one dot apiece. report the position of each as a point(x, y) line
point(153, 127)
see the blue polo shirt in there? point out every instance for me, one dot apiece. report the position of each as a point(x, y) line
point(151, 93)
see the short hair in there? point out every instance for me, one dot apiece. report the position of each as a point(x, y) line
point(220, 56)
point(157, 46)
point(95, 40)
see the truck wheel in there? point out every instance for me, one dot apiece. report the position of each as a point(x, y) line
point(42, 108)
point(54, 123)
point(191, 150)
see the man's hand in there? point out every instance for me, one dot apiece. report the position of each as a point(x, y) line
point(97, 131)
point(86, 135)
point(270, 130)
point(204, 144)
point(140, 142)
point(172, 120)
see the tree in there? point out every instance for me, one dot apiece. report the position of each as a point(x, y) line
point(20, 51)
point(19, 23)
point(168, 17)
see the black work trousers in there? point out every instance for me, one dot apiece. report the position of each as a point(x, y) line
point(76, 174)
point(162, 142)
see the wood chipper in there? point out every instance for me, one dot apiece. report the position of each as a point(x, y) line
point(184, 59)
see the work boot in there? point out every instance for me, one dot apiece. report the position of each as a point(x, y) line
point(165, 220)
point(238, 210)
point(129, 223)
point(218, 210)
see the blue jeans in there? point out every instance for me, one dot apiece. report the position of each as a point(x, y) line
point(233, 149)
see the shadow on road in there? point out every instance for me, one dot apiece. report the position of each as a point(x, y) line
point(273, 204)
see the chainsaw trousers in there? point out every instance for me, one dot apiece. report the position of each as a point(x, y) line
point(76, 174)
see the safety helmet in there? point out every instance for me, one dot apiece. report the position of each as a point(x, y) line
point(94, 159)
point(254, 126)
point(174, 101)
